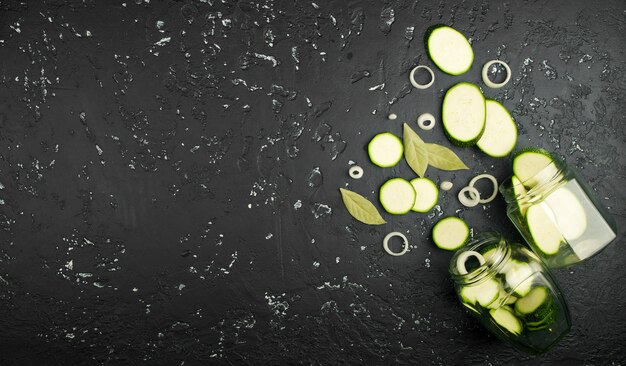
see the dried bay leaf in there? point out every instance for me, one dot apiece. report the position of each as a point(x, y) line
point(443, 158)
point(415, 151)
point(360, 208)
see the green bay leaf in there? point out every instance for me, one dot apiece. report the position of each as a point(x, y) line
point(360, 208)
point(443, 158)
point(415, 151)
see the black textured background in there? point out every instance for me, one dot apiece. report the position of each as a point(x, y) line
point(160, 202)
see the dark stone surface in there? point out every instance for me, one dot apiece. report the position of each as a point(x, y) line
point(157, 206)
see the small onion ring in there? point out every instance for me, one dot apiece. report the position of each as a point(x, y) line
point(418, 85)
point(356, 172)
point(405, 242)
point(426, 117)
point(469, 202)
point(490, 83)
point(495, 186)
point(463, 257)
point(446, 185)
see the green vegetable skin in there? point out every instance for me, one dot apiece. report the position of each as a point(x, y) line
point(483, 293)
point(500, 134)
point(503, 316)
point(450, 233)
point(427, 194)
point(449, 49)
point(518, 277)
point(528, 162)
point(537, 309)
point(385, 150)
point(397, 196)
point(463, 114)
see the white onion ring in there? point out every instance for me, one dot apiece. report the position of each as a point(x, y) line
point(426, 117)
point(490, 83)
point(463, 257)
point(472, 201)
point(405, 243)
point(446, 185)
point(356, 172)
point(418, 85)
point(495, 186)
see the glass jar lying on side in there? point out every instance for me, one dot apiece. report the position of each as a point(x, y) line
point(556, 212)
point(511, 292)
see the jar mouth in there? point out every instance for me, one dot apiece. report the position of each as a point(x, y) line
point(492, 242)
point(535, 188)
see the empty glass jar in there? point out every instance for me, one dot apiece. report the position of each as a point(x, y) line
point(511, 292)
point(558, 215)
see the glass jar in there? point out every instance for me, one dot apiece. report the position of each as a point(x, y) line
point(511, 292)
point(558, 215)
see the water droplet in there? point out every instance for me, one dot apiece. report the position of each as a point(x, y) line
point(408, 33)
point(321, 132)
point(387, 17)
point(188, 12)
point(548, 70)
point(320, 210)
point(315, 178)
point(359, 75)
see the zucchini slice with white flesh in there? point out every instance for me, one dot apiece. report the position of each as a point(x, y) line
point(463, 114)
point(385, 150)
point(537, 308)
point(449, 49)
point(504, 298)
point(489, 253)
point(519, 190)
point(397, 196)
point(427, 194)
point(500, 134)
point(483, 293)
point(505, 319)
point(569, 214)
point(518, 277)
point(450, 233)
point(544, 232)
point(529, 162)
point(532, 301)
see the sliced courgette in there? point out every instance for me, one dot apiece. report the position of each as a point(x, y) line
point(528, 163)
point(504, 298)
point(483, 293)
point(397, 196)
point(427, 194)
point(487, 254)
point(543, 230)
point(520, 191)
point(463, 114)
point(537, 308)
point(504, 317)
point(450, 233)
point(500, 135)
point(385, 150)
point(569, 214)
point(517, 277)
point(449, 49)
point(532, 301)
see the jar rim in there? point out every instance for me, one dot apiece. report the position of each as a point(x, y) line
point(543, 183)
point(490, 266)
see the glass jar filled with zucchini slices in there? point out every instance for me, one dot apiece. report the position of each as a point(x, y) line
point(509, 289)
point(554, 210)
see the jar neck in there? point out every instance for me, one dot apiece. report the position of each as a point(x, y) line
point(481, 243)
point(542, 184)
